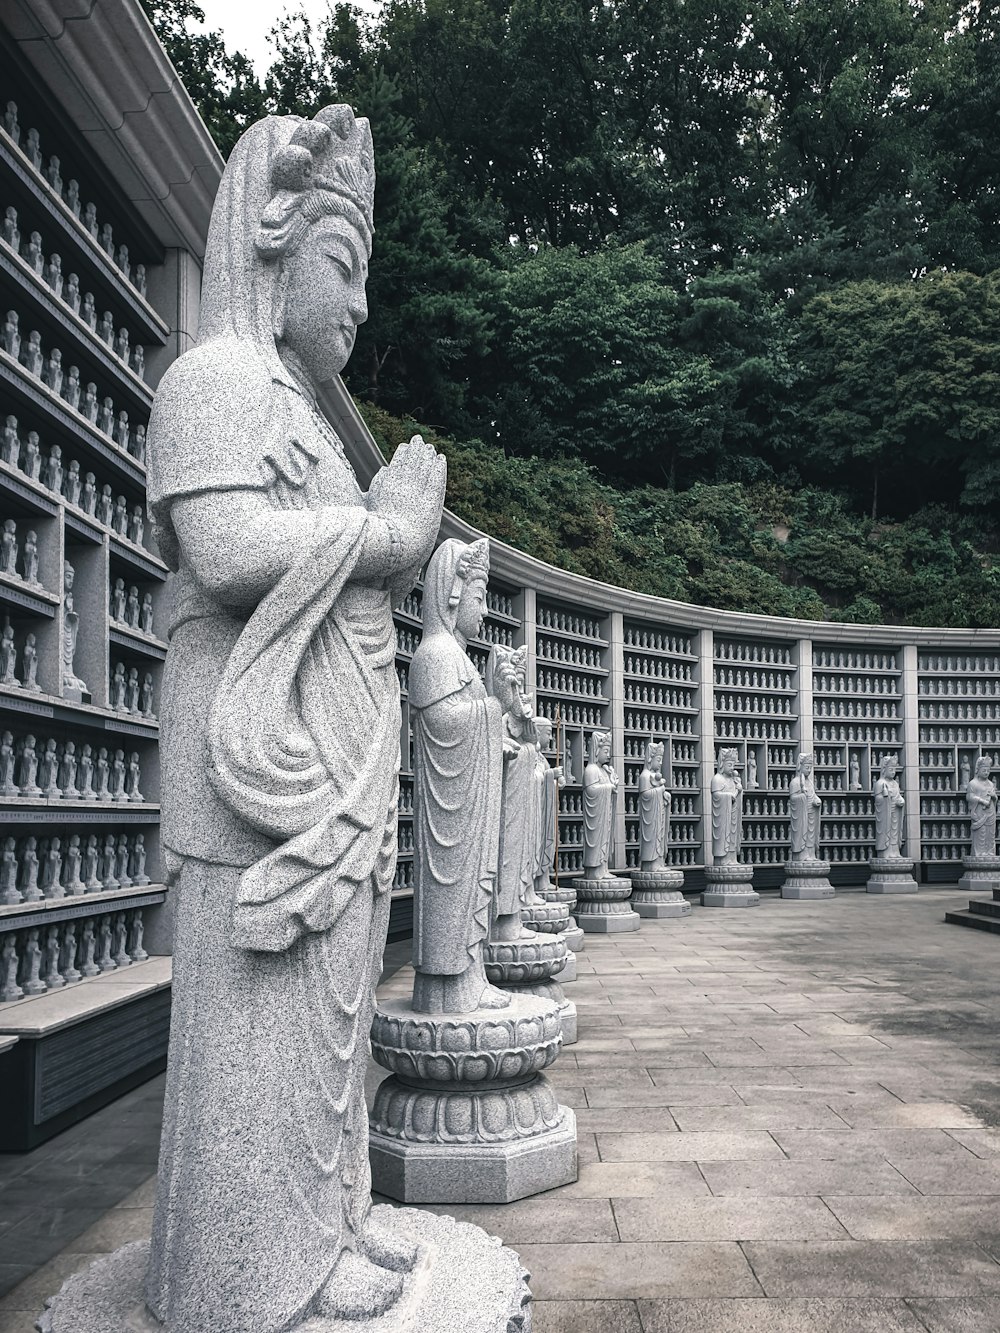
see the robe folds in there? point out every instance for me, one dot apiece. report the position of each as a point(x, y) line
point(981, 795)
point(652, 821)
point(727, 816)
point(804, 816)
point(888, 817)
point(599, 800)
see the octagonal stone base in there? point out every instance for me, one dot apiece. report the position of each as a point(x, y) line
point(981, 874)
point(466, 1115)
point(463, 1279)
point(729, 886)
point(892, 875)
point(807, 879)
point(657, 893)
point(602, 906)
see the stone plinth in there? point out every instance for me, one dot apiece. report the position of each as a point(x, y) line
point(602, 906)
point(467, 1115)
point(533, 965)
point(981, 874)
point(551, 916)
point(729, 886)
point(557, 893)
point(809, 878)
point(657, 893)
point(892, 874)
point(463, 1279)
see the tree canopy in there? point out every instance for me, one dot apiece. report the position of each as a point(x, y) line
point(683, 250)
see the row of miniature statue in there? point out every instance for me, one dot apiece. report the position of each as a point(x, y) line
point(959, 712)
point(62, 866)
point(975, 687)
point(657, 641)
point(8, 660)
point(589, 687)
point(67, 385)
point(48, 958)
point(50, 369)
point(961, 665)
point(768, 704)
point(127, 610)
point(76, 487)
point(659, 668)
point(12, 554)
point(848, 660)
point(637, 693)
point(58, 772)
point(959, 735)
point(564, 622)
point(855, 708)
point(679, 725)
point(766, 653)
point(568, 651)
point(754, 680)
point(128, 694)
point(823, 684)
point(70, 195)
point(861, 735)
point(740, 728)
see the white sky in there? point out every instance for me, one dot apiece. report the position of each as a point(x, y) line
point(246, 23)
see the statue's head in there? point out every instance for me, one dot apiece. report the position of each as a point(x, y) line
point(805, 764)
point(983, 766)
point(290, 238)
point(600, 747)
point(68, 575)
point(543, 731)
point(455, 588)
point(728, 759)
point(887, 769)
point(654, 756)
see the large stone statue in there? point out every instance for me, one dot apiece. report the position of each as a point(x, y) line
point(72, 686)
point(466, 1115)
point(729, 881)
point(981, 866)
point(656, 887)
point(548, 906)
point(891, 872)
point(602, 897)
point(807, 875)
point(280, 755)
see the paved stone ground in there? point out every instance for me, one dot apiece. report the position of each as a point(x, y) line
point(788, 1123)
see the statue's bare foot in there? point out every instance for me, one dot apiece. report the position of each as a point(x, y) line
point(388, 1249)
point(494, 998)
point(357, 1289)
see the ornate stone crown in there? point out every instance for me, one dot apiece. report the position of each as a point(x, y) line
point(475, 560)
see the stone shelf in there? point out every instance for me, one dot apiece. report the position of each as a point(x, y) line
point(40, 1015)
point(135, 641)
point(21, 596)
point(16, 916)
point(82, 715)
point(20, 810)
point(144, 562)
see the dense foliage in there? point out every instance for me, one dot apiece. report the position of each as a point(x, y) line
point(682, 276)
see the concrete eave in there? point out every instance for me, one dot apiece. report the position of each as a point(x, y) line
point(113, 80)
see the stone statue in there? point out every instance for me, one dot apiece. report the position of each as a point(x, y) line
point(32, 456)
point(805, 809)
point(282, 876)
point(71, 871)
point(102, 791)
point(137, 865)
point(29, 664)
point(132, 609)
point(116, 607)
point(71, 384)
point(11, 335)
point(8, 787)
point(30, 558)
point(73, 296)
point(457, 762)
point(654, 810)
point(519, 806)
point(73, 197)
point(32, 356)
point(88, 496)
point(8, 656)
point(11, 231)
point(71, 483)
point(85, 775)
point(551, 780)
point(600, 795)
point(981, 797)
point(9, 892)
point(72, 686)
point(67, 773)
point(964, 773)
point(727, 810)
point(752, 783)
point(54, 470)
point(29, 769)
point(10, 449)
point(854, 780)
point(146, 614)
point(8, 549)
point(889, 810)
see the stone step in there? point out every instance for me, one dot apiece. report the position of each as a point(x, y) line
point(973, 919)
point(985, 906)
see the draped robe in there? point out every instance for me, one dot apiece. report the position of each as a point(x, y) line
point(981, 795)
point(652, 821)
point(888, 818)
point(599, 798)
point(804, 816)
point(727, 817)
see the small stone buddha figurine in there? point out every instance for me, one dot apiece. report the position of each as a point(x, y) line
point(551, 779)
point(90, 406)
point(88, 495)
point(118, 688)
point(10, 449)
point(71, 869)
point(106, 416)
point(106, 328)
point(889, 810)
point(53, 373)
point(73, 197)
point(8, 787)
point(9, 892)
point(52, 886)
point(458, 765)
point(121, 435)
point(132, 779)
point(72, 686)
point(53, 478)
point(121, 861)
point(85, 775)
point(53, 174)
point(137, 865)
point(981, 798)
point(8, 656)
point(67, 773)
point(279, 878)
point(90, 219)
point(33, 253)
point(11, 231)
point(29, 663)
point(146, 614)
point(854, 780)
point(600, 797)
point(805, 811)
point(132, 691)
point(964, 773)
point(132, 608)
point(72, 483)
point(139, 444)
point(102, 773)
point(727, 810)
point(107, 240)
point(90, 867)
point(12, 335)
point(116, 608)
point(33, 147)
point(654, 810)
point(71, 387)
point(9, 549)
point(32, 356)
point(122, 261)
point(752, 783)
point(147, 696)
point(88, 311)
point(71, 293)
point(33, 456)
point(136, 525)
point(31, 559)
point(122, 345)
point(54, 275)
point(48, 771)
point(105, 505)
point(30, 892)
point(119, 516)
point(139, 360)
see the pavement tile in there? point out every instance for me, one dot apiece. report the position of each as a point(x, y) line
point(976, 1315)
point(982, 1142)
point(951, 1175)
point(777, 1316)
point(891, 1143)
point(772, 1116)
point(881, 1268)
point(942, 1217)
point(619, 1180)
point(735, 1218)
point(784, 1178)
point(695, 1146)
point(585, 1317)
point(536, 1221)
point(886, 1113)
point(632, 1271)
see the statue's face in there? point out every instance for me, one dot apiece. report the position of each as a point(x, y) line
point(543, 730)
point(471, 608)
point(889, 768)
point(604, 751)
point(728, 766)
point(806, 765)
point(325, 296)
point(983, 768)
